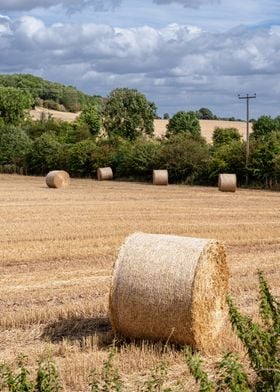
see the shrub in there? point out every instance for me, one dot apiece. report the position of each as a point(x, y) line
point(156, 380)
point(80, 158)
point(78, 132)
point(137, 159)
point(261, 342)
point(263, 157)
point(108, 379)
point(46, 378)
point(64, 131)
point(51, 104)
point(14, 146)
point(184, 157)
point(225, 136)
point(228, 157)
point(46, 154)
point(91, 116)
point(85, 157)
point(104, 154)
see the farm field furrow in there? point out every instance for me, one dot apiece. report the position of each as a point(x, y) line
point(58, 248)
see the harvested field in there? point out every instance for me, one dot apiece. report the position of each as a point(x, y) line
point(207, 126)
point(58, 248)
point(37, 113)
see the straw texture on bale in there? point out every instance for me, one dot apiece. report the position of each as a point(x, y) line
point(160, 177)
point(57, 179)
point(170, 288)
point(104, 173)
point(227, 182)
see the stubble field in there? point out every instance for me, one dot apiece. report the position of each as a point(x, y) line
point(57, 252)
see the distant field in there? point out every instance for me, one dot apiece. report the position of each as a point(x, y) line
point(65, 116)
point(58, 248)
point(207, 126)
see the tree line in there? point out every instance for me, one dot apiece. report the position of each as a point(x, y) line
point(47, 94)
point(117, 131)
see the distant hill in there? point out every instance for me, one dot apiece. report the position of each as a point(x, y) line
point(48, 94)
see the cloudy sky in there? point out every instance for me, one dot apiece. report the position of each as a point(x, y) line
point(182, 54)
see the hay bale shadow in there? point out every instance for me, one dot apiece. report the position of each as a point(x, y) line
point(97, 331)
point(79, 329)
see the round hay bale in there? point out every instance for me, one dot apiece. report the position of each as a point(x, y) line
point(227, 182)
point(160, 177)
point(104, 173)
point(170, 288)
point(57, 179)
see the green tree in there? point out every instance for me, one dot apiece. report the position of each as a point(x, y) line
point(129, 114)
point(80, 158)
point(13, 104)
point(138, 158)
point(85, 157)
point(276, 166)
point(228, 158)
point(183, 122)
point(184, 157)
point(65, 131)
point(263, 159)
point(46, 154)
point(225, 136)
point(205, 114)
point(71, 98)
point(91, 116)
point(14, 146)
point(48, 93)
point(78, 132)
point(265, 125)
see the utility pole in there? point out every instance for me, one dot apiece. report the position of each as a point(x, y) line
point(247, 97)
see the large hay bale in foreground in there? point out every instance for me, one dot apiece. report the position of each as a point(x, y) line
point(57, 179)
point(170, 288)
point(227, 182)
point(160, 177)
point(104, 173)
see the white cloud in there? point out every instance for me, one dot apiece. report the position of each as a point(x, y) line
point(4, 24)
point(175, 65)
point(29, 26)
point(101, 5)
point(188, 3)
point(27, 5)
